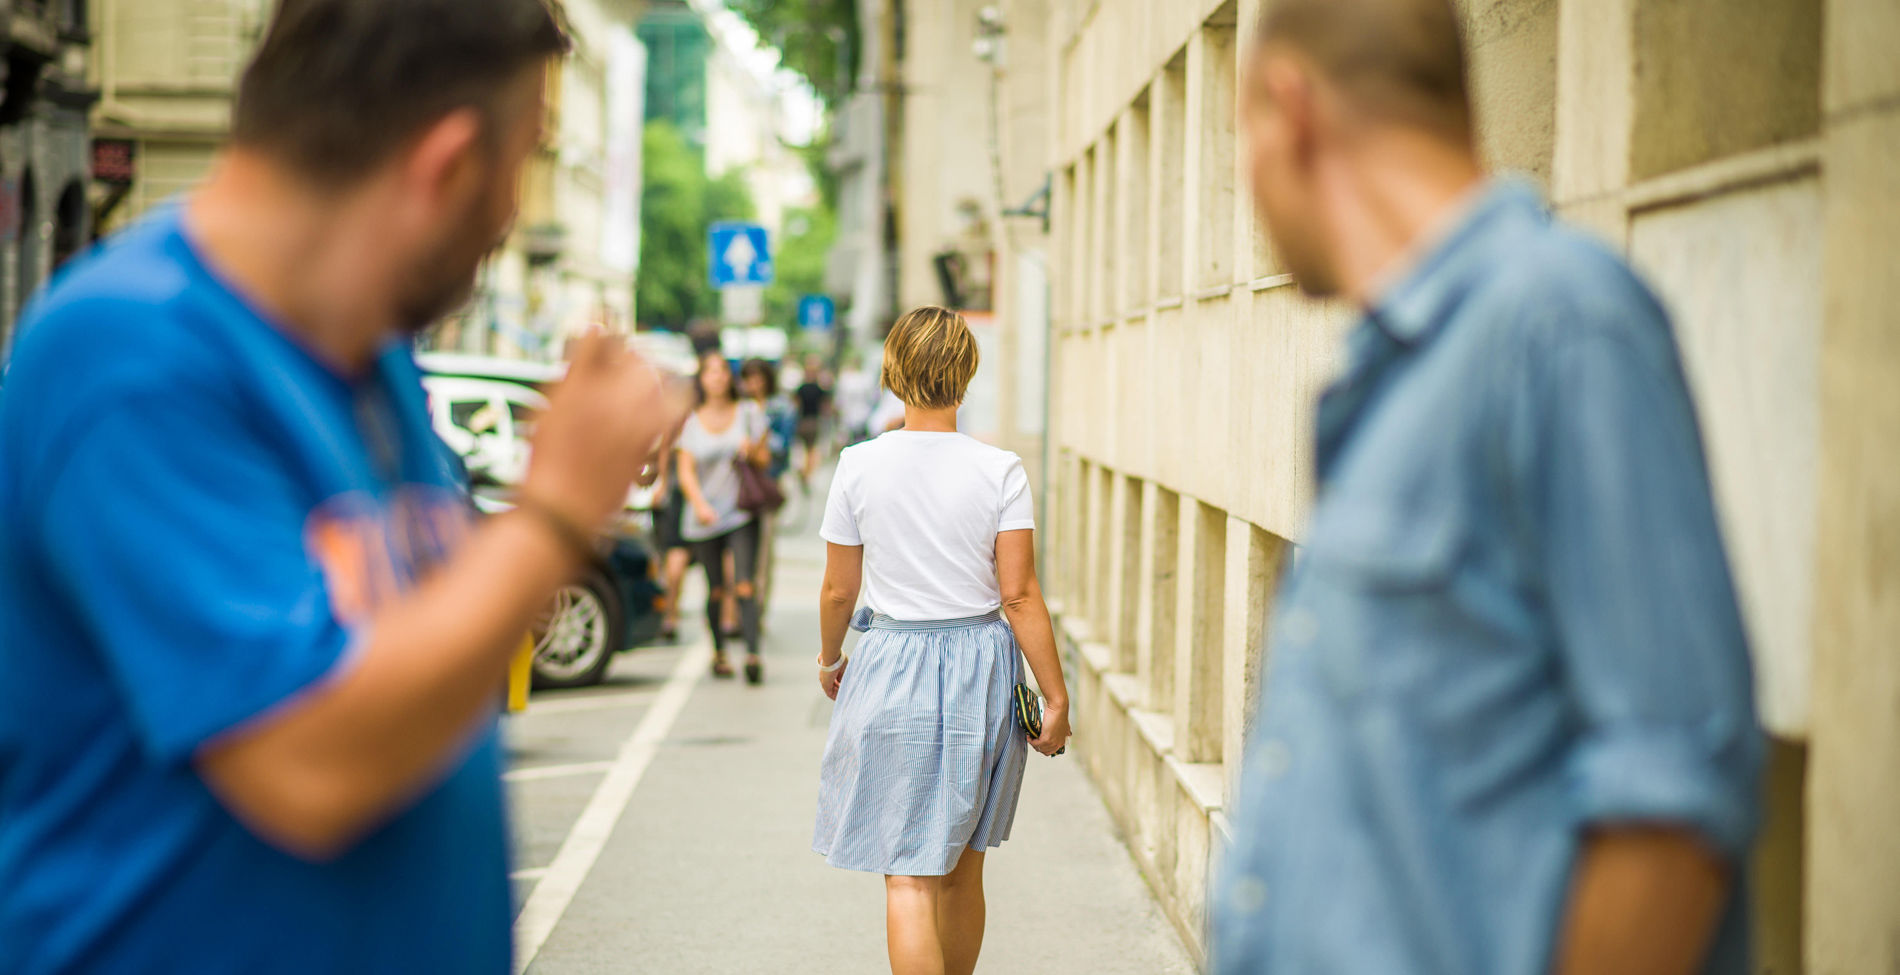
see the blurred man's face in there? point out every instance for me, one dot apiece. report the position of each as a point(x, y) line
point(478, 217)
point(1278, 115)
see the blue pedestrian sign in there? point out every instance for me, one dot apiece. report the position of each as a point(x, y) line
point(816, 312)
point(740, 255)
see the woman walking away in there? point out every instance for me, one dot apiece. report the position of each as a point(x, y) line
point(722, 433)
point(758, 383)
point(925, 756)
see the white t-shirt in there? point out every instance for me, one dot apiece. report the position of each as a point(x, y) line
point(927, 508)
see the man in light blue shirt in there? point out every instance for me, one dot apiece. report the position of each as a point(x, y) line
point(1508, 726)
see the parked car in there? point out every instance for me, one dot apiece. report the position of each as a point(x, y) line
point(487, 422)
point(484, 410)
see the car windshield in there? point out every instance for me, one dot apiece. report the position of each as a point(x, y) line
point(524, 420)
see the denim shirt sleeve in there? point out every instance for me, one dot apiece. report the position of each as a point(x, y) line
point(1633, 570)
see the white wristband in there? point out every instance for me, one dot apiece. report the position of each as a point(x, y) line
point(831, 669)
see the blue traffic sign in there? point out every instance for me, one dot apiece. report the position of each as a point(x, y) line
point(740, 254)
point(816, 312)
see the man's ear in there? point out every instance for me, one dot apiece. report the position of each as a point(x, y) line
point(1289, 84)
point(446, 161)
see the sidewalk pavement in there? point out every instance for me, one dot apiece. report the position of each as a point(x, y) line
point(710, 868)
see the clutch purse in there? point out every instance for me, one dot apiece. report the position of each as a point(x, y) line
point(1029, 713)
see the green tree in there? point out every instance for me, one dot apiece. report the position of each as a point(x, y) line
point(819, 39)
point(803, 250)
point(678, 206)
point(728, 198)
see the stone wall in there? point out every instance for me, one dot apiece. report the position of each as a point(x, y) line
point(1741, 153)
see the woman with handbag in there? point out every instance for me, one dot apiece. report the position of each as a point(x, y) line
point(724, 440)
point(924, 760)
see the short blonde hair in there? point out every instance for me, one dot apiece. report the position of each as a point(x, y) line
point(930, 358)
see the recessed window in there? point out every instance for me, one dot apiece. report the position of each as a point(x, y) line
point(1169, 107)
point(1104, 243)
point(1717, 77)
point(1132, 140)
point(1213, 87)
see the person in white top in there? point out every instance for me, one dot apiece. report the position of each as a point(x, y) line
point(856, 395)
point(924, 760)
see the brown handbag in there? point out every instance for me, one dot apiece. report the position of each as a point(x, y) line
point(758, 493)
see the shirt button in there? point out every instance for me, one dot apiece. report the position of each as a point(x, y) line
point(1301, 627)
point(1250, 895)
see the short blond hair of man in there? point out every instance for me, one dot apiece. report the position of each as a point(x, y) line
point(930, 358)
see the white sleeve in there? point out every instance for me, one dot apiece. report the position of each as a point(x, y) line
point(1019, 508)
point(840, 526)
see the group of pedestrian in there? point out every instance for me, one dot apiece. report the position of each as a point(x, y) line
point(707, 517)
point(254, 645)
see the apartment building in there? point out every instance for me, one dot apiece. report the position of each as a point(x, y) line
point(167, 71)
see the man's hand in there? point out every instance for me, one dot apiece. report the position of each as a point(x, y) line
point(1645, 900)
point(604, 424)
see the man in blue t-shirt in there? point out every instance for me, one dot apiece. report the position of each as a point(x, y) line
point(252, 646)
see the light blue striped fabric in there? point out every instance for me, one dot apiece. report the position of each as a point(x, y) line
point(924, 758)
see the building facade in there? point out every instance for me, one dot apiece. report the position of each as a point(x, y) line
point(939, 152)
point(570, 263)
point(678, 47)
point(1742, 154)
point(167, 72)
point(862, 268)
point(747, 134)
point(45, 155)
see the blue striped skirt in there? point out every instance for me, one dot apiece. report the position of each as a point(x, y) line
point(924, 759)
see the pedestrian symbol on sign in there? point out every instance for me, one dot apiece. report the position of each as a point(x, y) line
point(740, 254)
point(816, 312)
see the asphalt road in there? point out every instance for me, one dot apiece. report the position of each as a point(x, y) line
point(663, 825)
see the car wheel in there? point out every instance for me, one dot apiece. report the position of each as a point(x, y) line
point(575, 639)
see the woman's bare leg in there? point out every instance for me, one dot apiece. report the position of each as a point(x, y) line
point(910, 925)
point(675, 575)
point(960, 915)
point(729, 600)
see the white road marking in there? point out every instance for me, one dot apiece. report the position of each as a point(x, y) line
point(584, 842)
point(532, 873)
point(597, 702)
point(538, 772)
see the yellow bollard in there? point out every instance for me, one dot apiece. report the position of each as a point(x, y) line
point(520, 675)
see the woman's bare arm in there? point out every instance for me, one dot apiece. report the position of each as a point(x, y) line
point(687, 470)
point(837, 599)
point(1029, 617)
